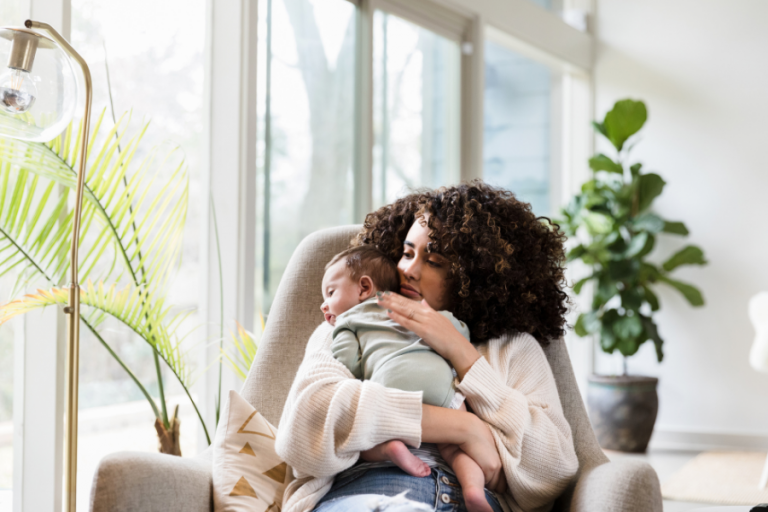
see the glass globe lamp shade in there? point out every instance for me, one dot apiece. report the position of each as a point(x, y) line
point(38, 88)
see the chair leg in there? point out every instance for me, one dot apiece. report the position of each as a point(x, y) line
point(764, 477)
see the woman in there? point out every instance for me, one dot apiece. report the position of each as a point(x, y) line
point(476, 251)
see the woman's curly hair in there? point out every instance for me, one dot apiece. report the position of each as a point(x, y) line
point(506, 271)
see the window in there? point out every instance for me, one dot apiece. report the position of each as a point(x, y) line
point(518, 125)
point(306, 83)
point(153, 67)
point(416, 77)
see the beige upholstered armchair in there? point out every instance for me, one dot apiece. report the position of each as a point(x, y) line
point(151, 481)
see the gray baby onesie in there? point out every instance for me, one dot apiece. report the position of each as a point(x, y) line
point(375, 347)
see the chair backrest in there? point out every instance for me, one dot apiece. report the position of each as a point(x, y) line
point(296, 313)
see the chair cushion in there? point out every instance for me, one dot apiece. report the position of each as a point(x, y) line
point(247, 473)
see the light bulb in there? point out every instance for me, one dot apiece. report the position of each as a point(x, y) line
point(17, 91)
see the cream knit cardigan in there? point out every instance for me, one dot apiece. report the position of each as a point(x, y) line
point(330, 417)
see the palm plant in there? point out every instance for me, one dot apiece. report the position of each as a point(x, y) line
point(133, 222)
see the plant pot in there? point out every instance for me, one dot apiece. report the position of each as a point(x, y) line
point(623, 410)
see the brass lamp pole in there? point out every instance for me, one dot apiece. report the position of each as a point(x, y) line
point(19, 98)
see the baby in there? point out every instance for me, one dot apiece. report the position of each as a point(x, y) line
point(375, 347)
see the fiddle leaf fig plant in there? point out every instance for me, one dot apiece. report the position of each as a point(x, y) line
point(613, 218)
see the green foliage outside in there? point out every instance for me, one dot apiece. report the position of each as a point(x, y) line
point(613, 214)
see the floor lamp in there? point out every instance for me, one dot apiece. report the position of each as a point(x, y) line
point(38, 98)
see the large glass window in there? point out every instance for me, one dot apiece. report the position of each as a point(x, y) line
point(518, 131)
point(416, 105)
point(10, 15)
point(306, 87)
point(152, 66)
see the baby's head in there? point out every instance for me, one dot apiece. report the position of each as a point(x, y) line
point(355, 275)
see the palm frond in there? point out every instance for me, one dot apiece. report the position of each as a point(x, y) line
point(132, 222)
point(34, 226)
point(245, 344)
point(151, 321)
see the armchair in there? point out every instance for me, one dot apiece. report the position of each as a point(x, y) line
point(142, 481)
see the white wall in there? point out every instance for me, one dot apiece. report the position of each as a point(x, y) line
point(702, 70)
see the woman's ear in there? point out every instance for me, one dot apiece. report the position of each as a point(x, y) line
point(365, 288)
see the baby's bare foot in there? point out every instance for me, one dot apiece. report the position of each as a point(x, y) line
point(405, 460)
point(475, 501)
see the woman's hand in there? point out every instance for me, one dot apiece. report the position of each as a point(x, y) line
point(481, 447)
point(435, 329)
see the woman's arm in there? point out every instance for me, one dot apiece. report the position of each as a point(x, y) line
point(329, 416)
point(525, 415)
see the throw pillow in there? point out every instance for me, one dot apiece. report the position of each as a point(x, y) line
point(247, 473)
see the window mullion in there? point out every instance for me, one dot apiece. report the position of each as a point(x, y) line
point(363, 146)
point(472, 88)
point(230, 174)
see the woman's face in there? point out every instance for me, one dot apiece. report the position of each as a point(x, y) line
point(423, 275)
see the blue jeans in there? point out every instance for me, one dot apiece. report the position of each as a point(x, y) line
point(362, 491)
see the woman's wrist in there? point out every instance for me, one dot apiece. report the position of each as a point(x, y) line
point(463, 356)
point(449, 426)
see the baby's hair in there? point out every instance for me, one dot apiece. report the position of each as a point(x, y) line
point(366, 260)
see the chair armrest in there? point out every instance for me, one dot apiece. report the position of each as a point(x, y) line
point(128, 481)
point(619, 486)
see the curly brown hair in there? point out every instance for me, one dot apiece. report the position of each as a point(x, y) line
point(506, 271)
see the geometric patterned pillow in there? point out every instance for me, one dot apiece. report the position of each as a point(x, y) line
point(247, 473)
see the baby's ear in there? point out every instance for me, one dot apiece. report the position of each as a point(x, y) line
point(365, 287)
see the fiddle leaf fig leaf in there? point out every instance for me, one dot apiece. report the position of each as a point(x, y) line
point(624, 120)
point(653, 333)
point(648, 222)
point(649, 186)
point(649, 244)
point(690, 292)
point(636, 245)
point(628, 327)
point(689, 255)
point(649, 273)
point(628, 346)
point(675, 228)
point(607, 337)
point(631, 298)
point(607, 341)
point(600, 128)
point(651, 298)
point(575, 253)
point(598, 223)
point(579, 284)
point(603, 163)
point(587, 323)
